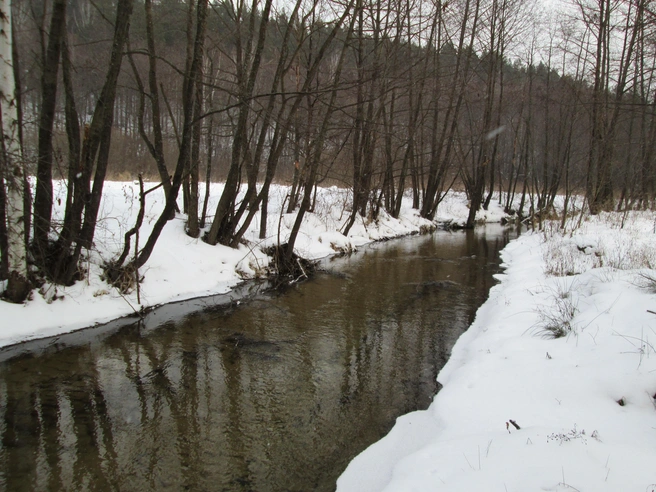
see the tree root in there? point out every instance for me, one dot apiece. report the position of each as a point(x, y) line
point(124, 278)
point(292, 266)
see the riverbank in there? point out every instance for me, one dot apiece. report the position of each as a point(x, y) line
point(184, 268)
point(553, 387)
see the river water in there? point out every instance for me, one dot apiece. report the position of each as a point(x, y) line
point(278, 393)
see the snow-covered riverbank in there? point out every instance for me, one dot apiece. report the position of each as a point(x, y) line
point(183, 268)
point(585, 403)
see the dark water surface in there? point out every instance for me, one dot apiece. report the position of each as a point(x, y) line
point(276, 394)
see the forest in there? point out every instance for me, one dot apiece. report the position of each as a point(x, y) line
point(508, 100)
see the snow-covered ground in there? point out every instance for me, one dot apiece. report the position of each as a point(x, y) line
point(585, 403)
point(183, 268)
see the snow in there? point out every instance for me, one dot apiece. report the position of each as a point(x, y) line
point(584, 402)
point(182, 267)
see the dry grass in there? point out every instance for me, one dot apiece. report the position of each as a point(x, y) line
point(557, 317)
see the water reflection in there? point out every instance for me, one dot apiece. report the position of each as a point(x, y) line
point(278, 394)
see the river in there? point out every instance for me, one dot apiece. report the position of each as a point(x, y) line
point(278, 393)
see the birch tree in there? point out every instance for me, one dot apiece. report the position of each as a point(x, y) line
point(11, 166)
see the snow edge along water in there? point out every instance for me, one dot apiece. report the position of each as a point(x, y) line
point(585, 403)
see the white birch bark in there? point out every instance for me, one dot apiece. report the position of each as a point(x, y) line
point(13, 170)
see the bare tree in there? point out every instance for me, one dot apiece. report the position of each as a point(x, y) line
point(123, 273)
point(83, 203)
point(156, 144)
point(316, 149)
point(248, 60)
point(604, 19)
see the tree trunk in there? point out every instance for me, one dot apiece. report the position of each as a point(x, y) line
point(4, 247)
point(193, 227)
point(11, 166)
point(43, 197)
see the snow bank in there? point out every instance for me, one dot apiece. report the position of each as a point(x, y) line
point(182, 267)
point(584, 402)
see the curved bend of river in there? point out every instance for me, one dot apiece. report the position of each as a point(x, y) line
point(276, 394)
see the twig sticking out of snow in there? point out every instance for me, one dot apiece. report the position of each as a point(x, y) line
point(514, 424)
